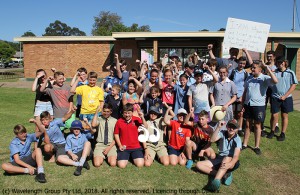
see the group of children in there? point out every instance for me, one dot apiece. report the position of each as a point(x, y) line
point(162, 111)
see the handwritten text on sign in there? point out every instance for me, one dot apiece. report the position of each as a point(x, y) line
point(246, 34)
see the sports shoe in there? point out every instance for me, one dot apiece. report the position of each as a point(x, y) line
point(78, 171)
point(227, 179)
point(270, 135)
point(40, 178)
point(281, 137)
point(277, 129)
point(244, 147)
point(263, 133)
point(86, 165)
point(214, 185)
point(189, 164)
point(257, 151)
point(241, 133)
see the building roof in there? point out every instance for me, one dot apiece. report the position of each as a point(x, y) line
point(64, 38)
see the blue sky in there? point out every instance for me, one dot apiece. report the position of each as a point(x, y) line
point(19, 16)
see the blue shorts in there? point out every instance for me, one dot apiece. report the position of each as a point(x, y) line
point(218, 161)
point(41, 107)
point(88, 116)
point(256, 113)
point(134, 153)
point(173, 151)
point(285, 106)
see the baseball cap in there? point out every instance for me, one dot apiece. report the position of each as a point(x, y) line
point(234, 123)
point(198, 71)
point(189, 65)
point(154, 109)
point(76, 125)
point(181, 111)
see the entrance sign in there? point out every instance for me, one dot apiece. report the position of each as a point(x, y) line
point(126, 53)
point(246, 34)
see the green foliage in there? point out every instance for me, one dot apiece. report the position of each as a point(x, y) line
point(28, 34)
point(61, 29)
point(108, 22)
point(6, 51)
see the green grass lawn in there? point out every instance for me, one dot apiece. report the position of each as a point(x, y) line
point(276, 171)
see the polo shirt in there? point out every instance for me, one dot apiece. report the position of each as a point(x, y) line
point(199, 93)
point(179, 133)
point(256, 89)
point(76, 144)
point(128, 132)
point(23, 149)
point(223, 92)
point(101, 129)
point(239, 80)
point(285, 80)
point(55, 134)
point(226, 147)
point(167, 93)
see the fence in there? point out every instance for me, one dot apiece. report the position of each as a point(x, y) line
point(11, 74)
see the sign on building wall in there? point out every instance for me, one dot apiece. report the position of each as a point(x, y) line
point(126, 53)
point(245, 34)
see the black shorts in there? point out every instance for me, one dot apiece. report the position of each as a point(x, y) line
point(218, 161)
point(79, 154)
point(257, 113)
point(173, 151)
point(59, 149)
point(285, 106)
point(237, 107)
point(134, 153)
point(26, 159)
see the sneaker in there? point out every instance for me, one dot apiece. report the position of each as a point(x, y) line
point(270, 135)
point(86, 165)
point(281, 137)
point(277, 129)
point(241, 133)
point(257, 151)
point(263, 133)
point(244, 147)
point(228, 178)
point(189, 164)
point(78, 171)
point(214, 185)
point(40, 178)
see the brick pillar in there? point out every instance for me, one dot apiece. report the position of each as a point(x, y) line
point(155, 50)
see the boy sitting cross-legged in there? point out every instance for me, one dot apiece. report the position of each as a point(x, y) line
point(21, 157)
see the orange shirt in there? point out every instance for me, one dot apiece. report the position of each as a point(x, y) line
point(179, 133)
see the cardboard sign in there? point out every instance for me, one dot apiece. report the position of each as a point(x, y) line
point(246, 34)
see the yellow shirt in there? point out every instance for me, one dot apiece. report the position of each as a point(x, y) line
point(91, 98)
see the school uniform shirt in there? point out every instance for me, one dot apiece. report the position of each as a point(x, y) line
point(76, 144)
point(148, 102)
point(226, 62)
point(160, 125)
point(23, 149)
point(101, 129)
point(91, 97)
point(179, 133)
point(79, 98)
point(256, 89)
point(285, 80)
point(181, 98)
point(199, 92)
point(226, 147)
point(61, 98)
point(223, 92)
point(55, 134)
point(239, 81)
point(110, 81)
point(128, 132)
point(115, 103)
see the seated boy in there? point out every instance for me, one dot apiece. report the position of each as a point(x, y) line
point(229, 146)
point(158, 147)
point(77, 147)
point(126, 137)
point(178, 135)
point(22, 160)
point(54, 138)
point(200, 140)
point(105, 146)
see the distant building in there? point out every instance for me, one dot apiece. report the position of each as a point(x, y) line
point(96, 52)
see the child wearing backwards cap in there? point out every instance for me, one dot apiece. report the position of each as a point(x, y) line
point(227, 160)
point(78, 148)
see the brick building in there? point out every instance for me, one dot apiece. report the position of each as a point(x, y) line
point(96, 52)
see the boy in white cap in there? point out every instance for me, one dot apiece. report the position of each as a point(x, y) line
point(227, 160)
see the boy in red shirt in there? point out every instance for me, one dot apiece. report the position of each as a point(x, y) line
point(178, 135)
point(126, 137)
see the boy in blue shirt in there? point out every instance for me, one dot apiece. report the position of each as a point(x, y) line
point(229, 146)
point(77, 147)
point(22, 160)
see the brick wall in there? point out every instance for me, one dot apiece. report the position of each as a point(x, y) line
point(66, 57)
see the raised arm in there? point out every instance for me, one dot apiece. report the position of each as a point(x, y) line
point(248, 56)
point(215, 136)
point(210, 53)
point(270, 72)
point(119, 73)
point(188, 116)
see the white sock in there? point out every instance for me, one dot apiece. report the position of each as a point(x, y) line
point(276, 124)
point(26, 170)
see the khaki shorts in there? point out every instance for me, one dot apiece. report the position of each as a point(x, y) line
point(100, 147)
point(160, 151)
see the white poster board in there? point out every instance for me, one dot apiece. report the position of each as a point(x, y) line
point(246, 34)
point(126, 53)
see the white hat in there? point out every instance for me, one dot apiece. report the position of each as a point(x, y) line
point(216, 113)
point(181, 111)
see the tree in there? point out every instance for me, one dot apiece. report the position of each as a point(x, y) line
point(222, 29)
point(6, 51)
point(204, 30)
point(108, 22)
point(28, 34)
point(61, 29)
